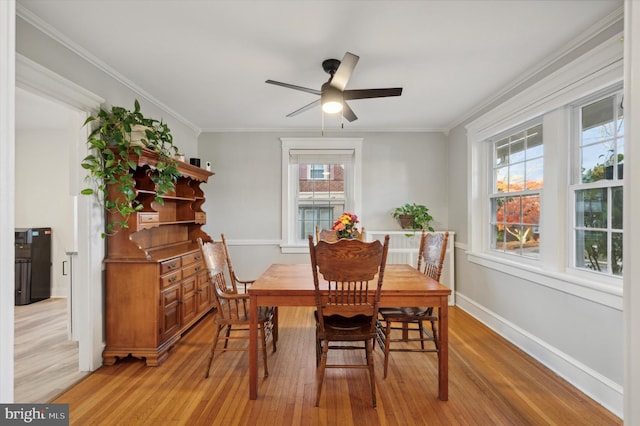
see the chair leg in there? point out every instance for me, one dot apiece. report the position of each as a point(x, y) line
point(372, 372)
point(435, 336)
point(421, 334)
point(320, 371)
point(318, 349)
point(263, 336)
point(228, 333)
point(214, 344)
point(275, 327)
point(387, 344)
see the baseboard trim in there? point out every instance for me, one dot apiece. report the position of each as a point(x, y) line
point(601, 389)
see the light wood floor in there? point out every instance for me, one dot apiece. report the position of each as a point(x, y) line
point(490, 383)
point(45, 361)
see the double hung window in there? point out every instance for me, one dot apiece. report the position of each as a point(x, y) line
point(321, 180)
point(517, 176)
point(597, 187)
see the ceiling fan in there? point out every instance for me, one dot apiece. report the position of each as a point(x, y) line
point(333, 95)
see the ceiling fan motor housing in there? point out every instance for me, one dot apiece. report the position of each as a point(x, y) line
point(330, 66)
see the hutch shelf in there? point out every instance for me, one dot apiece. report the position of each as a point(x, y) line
point(157, 285)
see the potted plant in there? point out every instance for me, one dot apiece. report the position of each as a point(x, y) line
point(413, 216)
point(109, 163)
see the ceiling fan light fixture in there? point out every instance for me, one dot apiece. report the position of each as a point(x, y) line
point(332, 107)
point(331, 100)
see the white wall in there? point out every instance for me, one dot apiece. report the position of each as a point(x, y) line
point(42, 193)
point(580, 338)
point(244, 199)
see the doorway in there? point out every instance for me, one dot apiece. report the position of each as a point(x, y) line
point(44, 188)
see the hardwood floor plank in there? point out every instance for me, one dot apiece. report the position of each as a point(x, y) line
point(490, 382)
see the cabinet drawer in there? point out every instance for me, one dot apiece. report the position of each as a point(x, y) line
point(170, 265)
point(148, 218)
point(189, 270)
point(191, 258)
point(172, 278)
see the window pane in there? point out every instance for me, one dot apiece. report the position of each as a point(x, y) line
point(534, 142)
point(597, 121)
point(531, 209)
point(616, 207)
point(591, 250)
point(516, 150)
point(534, 174)
point(513, 210)
point(497, 209)
point(317, 172)
point(513, 237)
point(502, 152)
point(620, 124)
point(591, 208)
point(501, 179)
point(516, 177)
point(616, 253)
point(498, 238)
point(531, 244)
point(594, 158)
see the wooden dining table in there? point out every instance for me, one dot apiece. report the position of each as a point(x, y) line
point(403, 285)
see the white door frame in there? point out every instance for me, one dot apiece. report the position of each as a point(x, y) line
point(87, 294)
point(7, 195)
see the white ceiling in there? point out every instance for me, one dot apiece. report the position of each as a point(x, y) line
point(208, 61)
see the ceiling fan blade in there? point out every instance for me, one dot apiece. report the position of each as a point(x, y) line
point(293, 86)
point(348, 113)
point(343, 73)
point(371, 93)
point(304, 108)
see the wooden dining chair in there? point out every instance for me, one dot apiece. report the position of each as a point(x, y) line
point(232, 308)
point(410, 320)
point(347, 300)
point(243, 285)
point(331, 236)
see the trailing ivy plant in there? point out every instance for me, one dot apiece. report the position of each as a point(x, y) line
point(109, 162)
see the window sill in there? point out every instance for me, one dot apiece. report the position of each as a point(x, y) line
point(606, 291)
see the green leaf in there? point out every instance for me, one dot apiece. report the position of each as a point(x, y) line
point(87, 191)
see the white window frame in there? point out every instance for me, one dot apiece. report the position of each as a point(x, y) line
point(289, 181)
point(577, 185)
point(549, 98)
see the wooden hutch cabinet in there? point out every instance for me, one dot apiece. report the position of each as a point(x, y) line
point(157, 285)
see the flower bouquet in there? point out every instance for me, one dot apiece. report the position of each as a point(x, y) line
point(345, 226)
